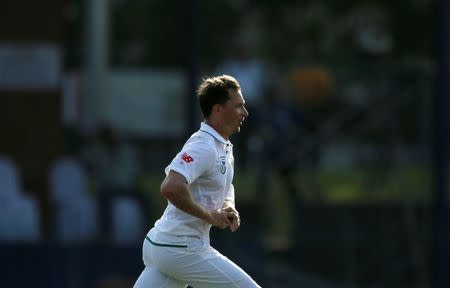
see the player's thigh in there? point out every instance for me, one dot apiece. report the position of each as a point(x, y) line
point(217, 271)
point(152, 277)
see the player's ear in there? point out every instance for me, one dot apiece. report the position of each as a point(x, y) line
point(217, 108)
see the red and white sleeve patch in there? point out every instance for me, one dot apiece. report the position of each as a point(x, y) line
point(187, 158)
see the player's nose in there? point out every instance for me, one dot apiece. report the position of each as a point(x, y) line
point(246, 112)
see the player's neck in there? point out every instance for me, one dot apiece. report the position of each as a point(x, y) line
point(218, 127)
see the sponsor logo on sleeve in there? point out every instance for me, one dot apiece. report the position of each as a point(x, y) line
point(187, 158)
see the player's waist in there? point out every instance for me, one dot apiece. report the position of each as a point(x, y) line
point(192, 228)
point(158, 237)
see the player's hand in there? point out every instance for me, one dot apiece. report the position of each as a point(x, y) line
point(220, 218)
point(235, 219)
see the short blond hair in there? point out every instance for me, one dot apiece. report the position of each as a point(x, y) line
point(214, 90)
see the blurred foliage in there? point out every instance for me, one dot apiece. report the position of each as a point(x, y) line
point(163, 33)
point(143, 31)
point(155, 33)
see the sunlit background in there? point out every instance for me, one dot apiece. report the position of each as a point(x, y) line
point(341, 167)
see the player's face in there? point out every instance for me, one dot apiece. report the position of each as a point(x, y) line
point(234, 112)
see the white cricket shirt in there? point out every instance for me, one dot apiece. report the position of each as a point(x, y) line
point(206, 161)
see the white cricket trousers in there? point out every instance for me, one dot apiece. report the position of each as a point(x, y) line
point(173, 261)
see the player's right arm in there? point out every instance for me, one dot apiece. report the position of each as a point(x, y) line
point(175, 189)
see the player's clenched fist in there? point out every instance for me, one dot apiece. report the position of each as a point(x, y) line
point(221, 218)
point(234, 218)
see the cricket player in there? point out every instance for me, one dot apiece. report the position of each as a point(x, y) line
point(200, 194)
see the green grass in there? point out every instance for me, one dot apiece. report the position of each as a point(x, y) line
point(412, 184)
point(405, 184)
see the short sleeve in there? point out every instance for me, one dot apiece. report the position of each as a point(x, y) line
point(193, 160)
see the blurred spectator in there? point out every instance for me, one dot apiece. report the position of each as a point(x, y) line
point(244, 64)
point(283, 130)
point(113, 166)
point(312, 85)
point(243, 61)
point(285, 125)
